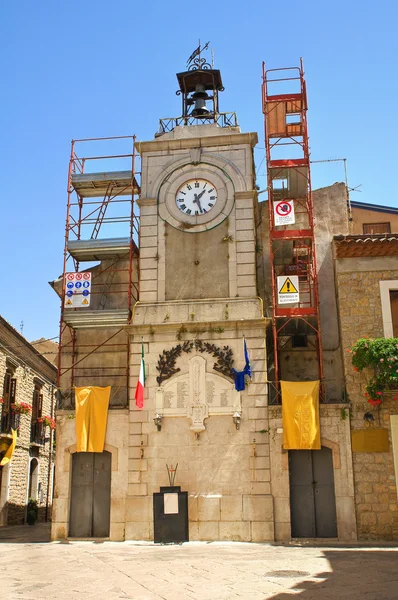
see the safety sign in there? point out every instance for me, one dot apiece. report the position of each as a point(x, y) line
point(284, 212)
point(77, 293)
point(288, 289)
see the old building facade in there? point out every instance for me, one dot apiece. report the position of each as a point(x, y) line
point(28, 394)
point(186, 293)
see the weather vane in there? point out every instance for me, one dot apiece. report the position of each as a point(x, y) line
point(194, 63)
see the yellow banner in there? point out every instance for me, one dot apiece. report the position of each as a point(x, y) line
point(91, 417)
point(10, 450)
point(300, 414)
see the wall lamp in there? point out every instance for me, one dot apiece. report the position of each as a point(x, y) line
point(236, 419)
point(158, 421)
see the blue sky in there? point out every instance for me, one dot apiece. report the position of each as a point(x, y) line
point(91, 69)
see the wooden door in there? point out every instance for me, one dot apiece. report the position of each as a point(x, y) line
point(312, 497)
point(90, 495)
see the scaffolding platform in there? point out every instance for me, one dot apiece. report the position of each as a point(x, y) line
point(83, 318)
point(100, 249)
point(93, 185)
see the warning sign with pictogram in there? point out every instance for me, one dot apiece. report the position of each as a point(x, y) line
point(288, 289)
point(77, 293)
point(284, 212)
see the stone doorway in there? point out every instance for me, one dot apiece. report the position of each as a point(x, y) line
point(312, 495)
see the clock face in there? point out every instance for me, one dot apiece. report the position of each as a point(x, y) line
point(196, 197)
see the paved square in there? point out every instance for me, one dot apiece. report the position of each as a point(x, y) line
point(38, 570)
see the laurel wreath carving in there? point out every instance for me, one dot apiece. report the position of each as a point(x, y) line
point(166, 366)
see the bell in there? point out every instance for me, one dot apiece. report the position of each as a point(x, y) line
point(200, 96)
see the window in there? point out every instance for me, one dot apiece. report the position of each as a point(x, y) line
point(394, 311)
point(389, 307)
point(9, 393)
point(37, 430)
point(376, 228)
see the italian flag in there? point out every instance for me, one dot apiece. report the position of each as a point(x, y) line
point(139, 391)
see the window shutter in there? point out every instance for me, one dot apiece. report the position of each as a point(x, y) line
point(35, 406)
point(13, 390)
point(40, 411)
point(6, 392)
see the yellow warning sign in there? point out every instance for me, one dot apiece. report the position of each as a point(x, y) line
point(85, 301)
point(288, 287)
point(68, 302)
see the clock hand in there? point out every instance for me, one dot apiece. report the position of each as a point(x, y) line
point(201, 194)
point(197, 201)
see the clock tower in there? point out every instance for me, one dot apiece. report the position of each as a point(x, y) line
point(198, 301)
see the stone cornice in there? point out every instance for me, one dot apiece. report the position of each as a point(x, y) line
point(198, 142)
point(146, 201)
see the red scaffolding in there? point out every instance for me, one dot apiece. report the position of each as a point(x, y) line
point(102, 227)
point(292, 246)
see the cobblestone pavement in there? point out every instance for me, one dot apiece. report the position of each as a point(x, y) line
point(38, 570)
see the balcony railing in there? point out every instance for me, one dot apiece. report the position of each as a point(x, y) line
point(37, 433)
point(227, 119)
point(9, 420)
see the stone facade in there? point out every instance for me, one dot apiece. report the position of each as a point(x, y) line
point(360, 310)
point(29, 369)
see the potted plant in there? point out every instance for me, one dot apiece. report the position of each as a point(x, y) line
point(47, 421)
point(381, 355)
point(32, 512)
point(21, 408)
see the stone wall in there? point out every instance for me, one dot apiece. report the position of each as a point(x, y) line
point(15, 477)
point(225, 471)
point(361, 315)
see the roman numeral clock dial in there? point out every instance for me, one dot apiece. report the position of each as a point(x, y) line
point(196, 197)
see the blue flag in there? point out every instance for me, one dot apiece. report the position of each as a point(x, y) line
point(247, 368)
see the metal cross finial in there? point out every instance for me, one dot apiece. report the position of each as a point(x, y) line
point(196, 53)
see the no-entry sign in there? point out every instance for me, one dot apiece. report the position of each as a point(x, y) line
point(284, 212)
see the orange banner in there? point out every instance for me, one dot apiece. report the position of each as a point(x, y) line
point(300, 414)
point(91, 417)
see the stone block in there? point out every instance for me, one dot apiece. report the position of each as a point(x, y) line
point(138, 509)
point(60, 511)
point(116, 533)
point(147, 242)
point(208, 509)
point(137, 489)
point(246, 269)
point(282, 531)
point(148, 296)
point(135, 428)
point(138, 531)
point(247, 292)
point(246, 257)
point(149, 286)
point(58, 531)
point(260, 487)
point(148, 274)
point(138, 416)
point(209, 531)
point(259, 508)
point(136, 440)
point(236, 531)
point(231, 508)
point(118, 510)
point(282, 510)
point(244, 225)
point(193, 508)
point(246, 281)
point(138, 464)
point(259, 462)
point(193, 531)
